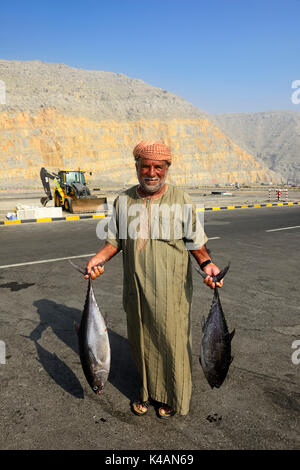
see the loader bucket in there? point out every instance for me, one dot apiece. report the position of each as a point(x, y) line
point(87, 204)
point(44, 200)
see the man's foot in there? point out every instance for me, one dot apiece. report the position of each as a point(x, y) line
point(165, 411)
point(140, 408)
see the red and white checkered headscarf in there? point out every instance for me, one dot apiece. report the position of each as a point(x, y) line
point(152, 150)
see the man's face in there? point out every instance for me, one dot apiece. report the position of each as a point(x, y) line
point(151, 174)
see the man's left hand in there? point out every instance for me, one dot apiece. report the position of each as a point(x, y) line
point(212, 270)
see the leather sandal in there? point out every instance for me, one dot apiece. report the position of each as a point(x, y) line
point(136, 410)
point(165, 411)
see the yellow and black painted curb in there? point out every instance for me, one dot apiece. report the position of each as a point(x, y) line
point(103, 216)
point(247, 206)
point(53, 219)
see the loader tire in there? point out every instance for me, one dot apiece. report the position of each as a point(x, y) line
point(68, 205)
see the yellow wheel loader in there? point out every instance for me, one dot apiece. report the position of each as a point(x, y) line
point(71, 192)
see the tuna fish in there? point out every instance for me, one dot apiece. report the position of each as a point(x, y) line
point(215, 356)
point(94, 347)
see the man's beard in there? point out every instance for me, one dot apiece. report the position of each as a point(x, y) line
point(150, 188)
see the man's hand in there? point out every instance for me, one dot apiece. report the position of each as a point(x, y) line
point(105, 254)
point(212, 270)
point(93, 268)
point(201, 255)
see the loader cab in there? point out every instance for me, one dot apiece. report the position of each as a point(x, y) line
point(69, 177)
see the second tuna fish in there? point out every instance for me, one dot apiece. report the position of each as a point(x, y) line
point(215, 355)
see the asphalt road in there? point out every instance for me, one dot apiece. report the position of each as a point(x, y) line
point(45, 402)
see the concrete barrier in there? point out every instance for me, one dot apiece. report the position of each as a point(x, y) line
point(35, 212)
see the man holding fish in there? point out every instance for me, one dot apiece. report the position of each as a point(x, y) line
point(157, 291)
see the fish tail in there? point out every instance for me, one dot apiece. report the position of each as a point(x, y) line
point(82, 271)
point(221, 274)
point(216, 278)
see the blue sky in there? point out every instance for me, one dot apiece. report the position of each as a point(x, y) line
point(220, 55)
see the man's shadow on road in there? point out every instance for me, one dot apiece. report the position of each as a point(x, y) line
point(60, 318)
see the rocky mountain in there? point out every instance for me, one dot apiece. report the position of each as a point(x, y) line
point(62, 117)
point(272, 137)
point(97, 95)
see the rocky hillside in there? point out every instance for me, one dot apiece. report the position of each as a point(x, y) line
point(272, 137)
point(61, 117)
point(97, 95)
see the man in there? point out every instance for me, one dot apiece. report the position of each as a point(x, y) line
point(157, 291)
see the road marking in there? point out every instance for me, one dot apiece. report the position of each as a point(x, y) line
point(46, 261)
point(283, 228)
point(62, 259)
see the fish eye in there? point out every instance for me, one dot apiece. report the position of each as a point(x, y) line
point(95, 388)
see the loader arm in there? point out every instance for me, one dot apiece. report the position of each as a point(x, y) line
point(45, 175)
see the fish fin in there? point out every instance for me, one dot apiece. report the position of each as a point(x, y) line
point(24, 336)
point(221, 274)
point(231, 335)
point(76, 327)
point(92, 355)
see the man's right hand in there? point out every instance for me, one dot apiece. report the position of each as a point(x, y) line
point(93, 268)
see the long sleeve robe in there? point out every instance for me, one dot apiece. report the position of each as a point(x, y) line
point(157, 291)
